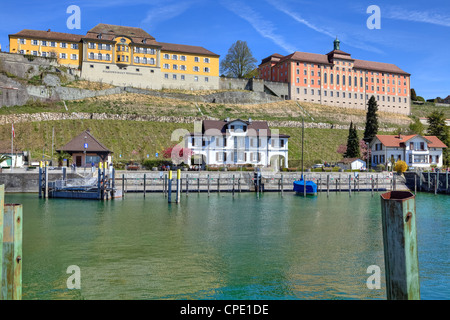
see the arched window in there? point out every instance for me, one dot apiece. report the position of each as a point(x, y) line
point(337, 79)
point(108, 57)
point(325, 78)
point(331, 79)
point(349, 81)
point(91, 55)
point(99, 57)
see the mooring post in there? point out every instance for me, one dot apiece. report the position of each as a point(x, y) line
point(178, 186)
point(446, 182)
point(208, 183)
point(169, 191)
point(232, 190)
point(436, 189)
point(282, 184)
point(349, 185)
point(46, 180)
point(187, 184)
point(429, 181)
point(11, 252)
point(398, 212)
point(123, 185)
point(415, 183)
point(64, 173)
point(218, 184)
point(372, 183)
point(239, 183)
point(198, 183)
point(145, 176)
point(165, 185)
point(328, 185)
point(99, 181)
point(113, 182)
point(40, 180)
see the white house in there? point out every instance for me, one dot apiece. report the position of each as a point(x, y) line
point(352, 164)
point(416, 150)
point(238, 142)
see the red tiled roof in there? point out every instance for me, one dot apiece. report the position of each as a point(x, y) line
point(378, 66)
point(395, 141)
point(307, 57)
point(110, 29)
point(185, 48)
point(48, 35)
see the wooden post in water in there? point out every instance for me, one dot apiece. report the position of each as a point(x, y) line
point(446, 182)
point(40, 182)
point(349, 185)
point(304, 186)
point(233, 186)
point(239, 183)
point(99, 181)
point(46, 180)
point(145, 176)
point(328, 185)
point(11, 251)
point(398, 210)
point(372, 183)
point(178, 186)
point(123, 185)
point(169, 191)
point(282, 185)
point(218, 184)
point(429, 181)
point(208, 184)
point(436, 188)
point(198, 183)
point(187, 185)
point(165, 185)
point(415, 184)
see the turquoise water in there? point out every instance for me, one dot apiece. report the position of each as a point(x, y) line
point(270, 247)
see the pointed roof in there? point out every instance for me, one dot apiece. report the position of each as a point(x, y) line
point(77, 144)
point(398, 140)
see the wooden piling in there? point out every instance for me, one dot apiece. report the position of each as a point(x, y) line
point(169, 191)
point(208, 183)
point(282, 185)
point(40, 180)
point(372, 183)
point(46, 181)
point(165, 185)
point(178, 198)
point(218, 184)
point(99, 182)
point(11, 255)
point(123, 185)
point(415, 183)
point(349, 185)
point(198, 183)
point(145, 176)
point(398, 210)
point(446, 182)
point(187, 185)
point(328, 185)
point(233, 186)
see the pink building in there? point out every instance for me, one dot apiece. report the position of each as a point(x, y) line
point(336, 79)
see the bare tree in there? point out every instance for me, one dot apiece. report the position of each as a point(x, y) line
point(239, 61)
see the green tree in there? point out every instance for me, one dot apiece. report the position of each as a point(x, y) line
point(416, 127)
point(239, 61)
point(371, 120)
point(352, 143)
point(437, 127)
point(413, 95)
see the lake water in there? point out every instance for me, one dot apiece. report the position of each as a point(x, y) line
point(271, 247)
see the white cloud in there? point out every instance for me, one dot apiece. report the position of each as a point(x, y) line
point(398, 13)
point(167, 11)
point(264, 27)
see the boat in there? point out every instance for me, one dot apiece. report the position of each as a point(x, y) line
point(302, 187)
point(299, 187)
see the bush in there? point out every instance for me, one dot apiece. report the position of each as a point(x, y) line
point(151, 163)
point(400, 166)
point(380, 167)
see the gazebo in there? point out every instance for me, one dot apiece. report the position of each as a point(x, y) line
point(86, 150)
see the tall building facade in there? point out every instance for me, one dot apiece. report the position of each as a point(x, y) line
point(125, 56)
point(336, 79)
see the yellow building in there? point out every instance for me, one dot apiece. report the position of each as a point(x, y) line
point(65, 47)
point(125, 56)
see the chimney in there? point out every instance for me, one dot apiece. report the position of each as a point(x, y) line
point(49, 30)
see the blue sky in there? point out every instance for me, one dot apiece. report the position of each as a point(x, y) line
point(414, 35)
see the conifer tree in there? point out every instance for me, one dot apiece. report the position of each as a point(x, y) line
point(371, 120)
point(352, 143)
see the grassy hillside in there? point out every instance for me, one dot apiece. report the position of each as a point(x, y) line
point(134, 140)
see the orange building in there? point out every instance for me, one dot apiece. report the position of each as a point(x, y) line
point(336, 79)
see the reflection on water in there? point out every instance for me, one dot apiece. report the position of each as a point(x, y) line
point(270, 247)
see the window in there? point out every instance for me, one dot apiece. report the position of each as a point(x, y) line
point(53, 44)
point(63, 45)
point(34, 53)
point(183, 68)
point(174, 77)
point(175, 67)
point(206, 69)
point(325, 78)
point(331, 79)
point(182, 58)
point(92, 45)
point(196, 69)
point(74, 56)
point(166, 76)
point(206, 60)
point(34, 42)
point(62, 56)
point(74, 46)
point(174, 57)
point(44, 43)
point(166, 66)
point(22, 41)
point(206, 79)
point(166, 56)
point(182, 77)
point(137, 60)
point(151, 61)
point(196, 79)
point(197, 59)
point(144, 60)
